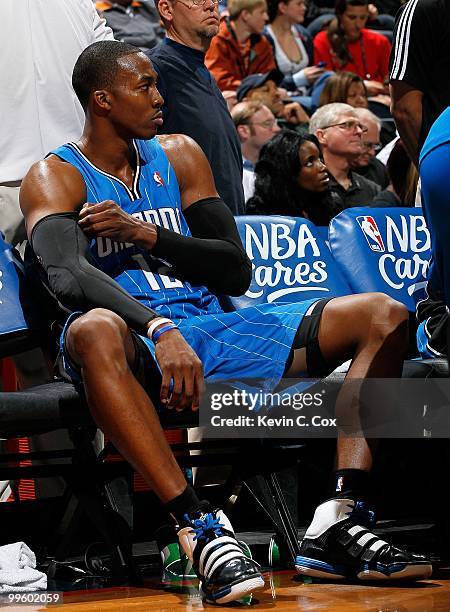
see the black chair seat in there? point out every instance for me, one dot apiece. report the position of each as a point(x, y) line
point(58, 405)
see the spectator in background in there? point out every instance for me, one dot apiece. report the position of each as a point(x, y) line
point(349, 46)
point(339, 132)
point(136, 23)
point(264, 88)
point(193, 104)
point(293, 50)
point(255, 125)
point(381, 15)
point(419, 69)
point(403, 178)
point(367, 164)
point(292, 179)
point(345, 87)
point(38, 106)
point(239, 49)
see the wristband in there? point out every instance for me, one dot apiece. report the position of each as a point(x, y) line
point(162, 331)
point(151, 328)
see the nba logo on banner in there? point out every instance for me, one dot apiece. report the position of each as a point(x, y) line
point(372, 233)
point(157, 178)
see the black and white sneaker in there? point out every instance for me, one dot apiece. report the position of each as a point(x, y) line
point(225, 572)
point(338, 544)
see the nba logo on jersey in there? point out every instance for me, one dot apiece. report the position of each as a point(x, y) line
point(158, 179)
point(372, 233)
point(339, 484)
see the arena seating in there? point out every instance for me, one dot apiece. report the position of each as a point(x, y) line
point(383, 249)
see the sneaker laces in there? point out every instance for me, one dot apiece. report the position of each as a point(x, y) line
point(202, 526)
point(362, 514)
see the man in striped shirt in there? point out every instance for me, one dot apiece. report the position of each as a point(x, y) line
point(419, 69)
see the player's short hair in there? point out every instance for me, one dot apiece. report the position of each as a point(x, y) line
point(235, 7)
point(97, 66)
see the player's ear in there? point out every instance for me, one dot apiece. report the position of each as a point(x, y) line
point(102, 99)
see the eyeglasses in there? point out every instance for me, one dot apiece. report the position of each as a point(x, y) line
point(192, 3)
point(372, 146)
point(268, 123)
point(349, 126)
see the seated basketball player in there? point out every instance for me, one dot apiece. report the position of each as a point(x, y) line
point(132, 236)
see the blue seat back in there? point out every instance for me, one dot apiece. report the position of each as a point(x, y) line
point(383, 249)
point(290, 262)
point(12, 317)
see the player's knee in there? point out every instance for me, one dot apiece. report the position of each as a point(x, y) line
point(387, 315)
point(99, 330)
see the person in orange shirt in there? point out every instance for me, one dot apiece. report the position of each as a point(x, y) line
point(240, 48)
point(349, 46)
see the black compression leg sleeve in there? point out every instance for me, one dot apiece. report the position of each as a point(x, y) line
point(62, 250)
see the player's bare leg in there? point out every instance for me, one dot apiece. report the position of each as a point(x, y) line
point(100, 343)
point(370, 329)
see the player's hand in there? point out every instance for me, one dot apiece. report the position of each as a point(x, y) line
point(108, 220)
point(294, 113)
point(180, 366)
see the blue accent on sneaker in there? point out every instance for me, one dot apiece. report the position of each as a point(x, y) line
point(387, 570)
point(362, 515)
point(320, 565)
point(220, 594)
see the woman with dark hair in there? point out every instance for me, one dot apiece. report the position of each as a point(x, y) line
point(345, 87)
point(291, 179)
point(349, 46)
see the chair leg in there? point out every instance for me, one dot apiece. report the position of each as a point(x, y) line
point(289, 530)
point(112, 527)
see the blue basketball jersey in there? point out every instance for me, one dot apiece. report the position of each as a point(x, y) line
point(154, 198)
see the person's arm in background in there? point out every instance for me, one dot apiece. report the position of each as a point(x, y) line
point(322, 51)
point(99, 28)
point(413, 53)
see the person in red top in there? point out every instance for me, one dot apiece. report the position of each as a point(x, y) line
point(240, 49)
point(349, 46)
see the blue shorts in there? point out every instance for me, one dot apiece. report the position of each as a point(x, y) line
point(249, 344)
point(424, 343)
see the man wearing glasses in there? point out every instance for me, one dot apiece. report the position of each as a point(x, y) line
point(193, 104)
point(340, 131)
point(367, 164)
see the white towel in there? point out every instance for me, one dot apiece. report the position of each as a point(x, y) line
point(17, 569)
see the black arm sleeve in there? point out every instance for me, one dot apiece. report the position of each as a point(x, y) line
point(62, 250)
point(214, 255)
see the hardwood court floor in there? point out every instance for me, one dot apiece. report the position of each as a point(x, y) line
point(282, 592)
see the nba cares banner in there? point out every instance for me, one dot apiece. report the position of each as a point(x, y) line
point(383, 249)
point(290, 261)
